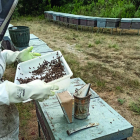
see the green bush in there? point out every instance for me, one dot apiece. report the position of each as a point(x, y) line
point(136, 3)
point(137, 13)
point(15, 14)
point(102, 8)
point(119, 9)
point(32, 7)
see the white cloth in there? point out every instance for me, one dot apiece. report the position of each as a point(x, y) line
point(9, 118)
point(9, 57)
point(12, 136)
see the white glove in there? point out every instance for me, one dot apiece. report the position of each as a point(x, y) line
point(26, 54)
point(36, 90)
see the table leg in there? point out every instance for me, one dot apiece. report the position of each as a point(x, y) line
point(121, 31)
point(111, 30)
point(102, 30)
point(98, 30)
point(124, 139)
point(39, 129)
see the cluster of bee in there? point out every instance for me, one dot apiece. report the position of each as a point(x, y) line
point(48, 71)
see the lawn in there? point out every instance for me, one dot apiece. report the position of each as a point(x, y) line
point(111, 63)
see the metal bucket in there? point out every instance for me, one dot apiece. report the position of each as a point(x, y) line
point(81, 107)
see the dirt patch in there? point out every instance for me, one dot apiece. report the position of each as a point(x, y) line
point(112, 61)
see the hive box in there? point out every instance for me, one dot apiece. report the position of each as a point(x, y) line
point(73, 19)
point(83, 20)
point(92, 21)
point(135, 23)
point(49, 14)
point(126, 23)
point(101, 22)
point(63, 18)
point(112, 22)
point(56, 16)
point(62, 82)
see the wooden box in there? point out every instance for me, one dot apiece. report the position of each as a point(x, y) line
point(92, 23)
point(57, 18)
point(46, 15)
point(83, 22)
point(112, 22)
point(101, 22)
point(70, 20)
point(76, 21)
point(54, 17)
point(65, 19)
point(61, 18)
point(125, 23)
point(135, 23)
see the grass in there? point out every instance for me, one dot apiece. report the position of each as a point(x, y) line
point(90, 45)
point(79, 71)
point(138, 130)
point(12, 69)
point(137, 48)
point(96, 34)
point(67, 37)
point(119, 88)
point(116, 47)
point(78, 47)
point(98, 42)
point(100, 83)
point(88, 35)
point(135, 107)
point(75, 35)
point(121, 101)
point(73, 64)
point(87, 58)
point(24, 112)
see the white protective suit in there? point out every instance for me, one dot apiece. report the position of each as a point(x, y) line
point(11, 93)
point(9, 120)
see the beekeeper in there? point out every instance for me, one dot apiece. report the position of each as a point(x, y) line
point(11, 93)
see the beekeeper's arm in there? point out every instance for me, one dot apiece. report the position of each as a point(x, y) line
point(12, 93)
point(37, 90)
point(20, 56)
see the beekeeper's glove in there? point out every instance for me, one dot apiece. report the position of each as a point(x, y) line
point(26, 54)
point(36, 90)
